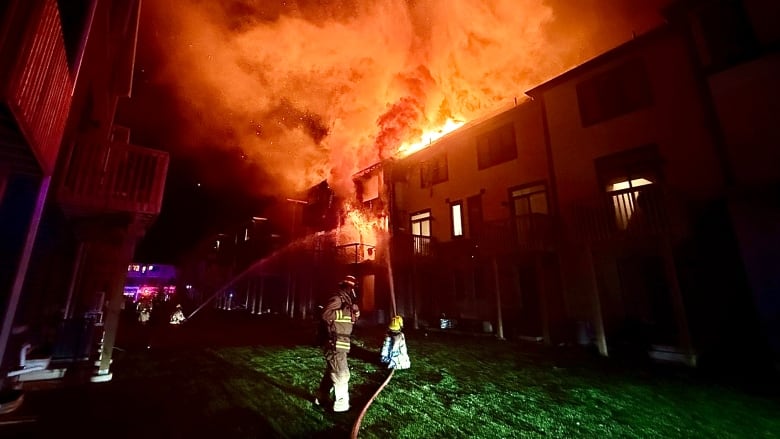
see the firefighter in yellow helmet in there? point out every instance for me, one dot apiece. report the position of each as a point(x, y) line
point(394, 353)
point(339, 315)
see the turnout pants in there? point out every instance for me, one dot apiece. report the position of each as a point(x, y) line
point(336, 376)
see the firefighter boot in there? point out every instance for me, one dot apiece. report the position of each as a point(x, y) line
point(322, 397)
point(342, 398)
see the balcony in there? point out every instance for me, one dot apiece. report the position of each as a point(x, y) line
point(527, 233)
point(111, 177)
point(356, 253)
point(35, 87)
point(625, 215)
point(407, 247)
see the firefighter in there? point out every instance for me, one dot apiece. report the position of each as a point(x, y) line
point(339, 315)
point(177, 318)
point(394, 353)
point(144, 311)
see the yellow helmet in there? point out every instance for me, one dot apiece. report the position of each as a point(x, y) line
point(396, 323)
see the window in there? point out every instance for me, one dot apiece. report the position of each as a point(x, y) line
point(529, 205)
point(497, 146)
point(530, 200)
point(456, 214)
point(624, 194)
point(421, 233)
point(433, 171)
point(616, 92)
point(628, 179)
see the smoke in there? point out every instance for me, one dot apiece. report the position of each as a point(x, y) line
point(313, 89)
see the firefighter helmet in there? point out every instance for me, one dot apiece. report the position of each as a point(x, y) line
point(396, 323)
point(349, 280)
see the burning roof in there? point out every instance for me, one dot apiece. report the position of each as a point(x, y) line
point(316, 90)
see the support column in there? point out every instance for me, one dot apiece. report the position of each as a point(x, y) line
point(113, 306)
point(499, 313)
point(601, 339)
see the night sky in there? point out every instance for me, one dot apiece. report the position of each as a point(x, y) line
point(257, 100)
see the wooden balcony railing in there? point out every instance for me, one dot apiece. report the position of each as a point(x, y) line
point(407, 246)
point(36, 86)
point(535, 232)
point(639, 213)
point(356, 253)
point(104, 177)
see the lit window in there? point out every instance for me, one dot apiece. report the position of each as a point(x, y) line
point(624, 195)
point(456, 210)
point(421, 232)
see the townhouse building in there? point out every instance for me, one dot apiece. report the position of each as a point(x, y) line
point(632, 203)
point(76, 194)
point(735, 48)
point(474, 230)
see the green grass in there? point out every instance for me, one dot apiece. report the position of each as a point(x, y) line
point(457, 387)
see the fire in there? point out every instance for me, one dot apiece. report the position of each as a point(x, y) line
point(361, 227)
point(313, 90)
point(429, 137)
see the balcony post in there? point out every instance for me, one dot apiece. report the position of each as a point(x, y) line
point(21, 270)
point(601, 339)
point(113, 306)
point(499, 315)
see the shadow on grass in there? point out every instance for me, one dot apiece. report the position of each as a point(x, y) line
point(233, 422)
point(296, 391)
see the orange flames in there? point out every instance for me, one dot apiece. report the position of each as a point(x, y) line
point(361, 227)
point(319, 90)
point(429, 137)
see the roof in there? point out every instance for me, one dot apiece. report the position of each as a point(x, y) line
point(605, 57)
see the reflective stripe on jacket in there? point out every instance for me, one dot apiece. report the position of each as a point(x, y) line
point(338, 314)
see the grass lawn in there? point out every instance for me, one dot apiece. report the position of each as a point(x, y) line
point(457, 387)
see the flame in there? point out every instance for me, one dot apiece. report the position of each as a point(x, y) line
point(313, 90)
point(361, 227)
point(429, 137)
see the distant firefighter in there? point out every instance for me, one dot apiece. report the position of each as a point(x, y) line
point(144, 311)
point(177, 318)
point(394, 353)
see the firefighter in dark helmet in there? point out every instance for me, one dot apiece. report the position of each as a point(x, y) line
point(338, 315)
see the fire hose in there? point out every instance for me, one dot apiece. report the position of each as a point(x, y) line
point(356, 425)
point(359, 420)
